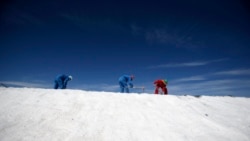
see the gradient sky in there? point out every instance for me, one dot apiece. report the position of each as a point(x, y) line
point(201, 47)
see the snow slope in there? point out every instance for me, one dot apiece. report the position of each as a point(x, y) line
point(30, 114)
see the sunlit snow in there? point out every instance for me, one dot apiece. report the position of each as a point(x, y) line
point(31, 114)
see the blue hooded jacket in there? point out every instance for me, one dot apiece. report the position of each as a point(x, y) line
point(61, 81)
point(126, 79)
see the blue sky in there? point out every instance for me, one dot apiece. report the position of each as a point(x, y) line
point(200, 47)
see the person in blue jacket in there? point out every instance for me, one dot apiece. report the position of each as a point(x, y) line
point(61, 81)
point(124, 81)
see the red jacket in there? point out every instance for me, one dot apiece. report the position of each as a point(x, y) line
point(160, 83)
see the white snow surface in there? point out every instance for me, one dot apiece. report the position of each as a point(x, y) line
point(32, 114)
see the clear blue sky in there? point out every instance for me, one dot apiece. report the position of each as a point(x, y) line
point(201, 47)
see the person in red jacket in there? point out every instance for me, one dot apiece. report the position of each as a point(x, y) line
point(161, 84)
